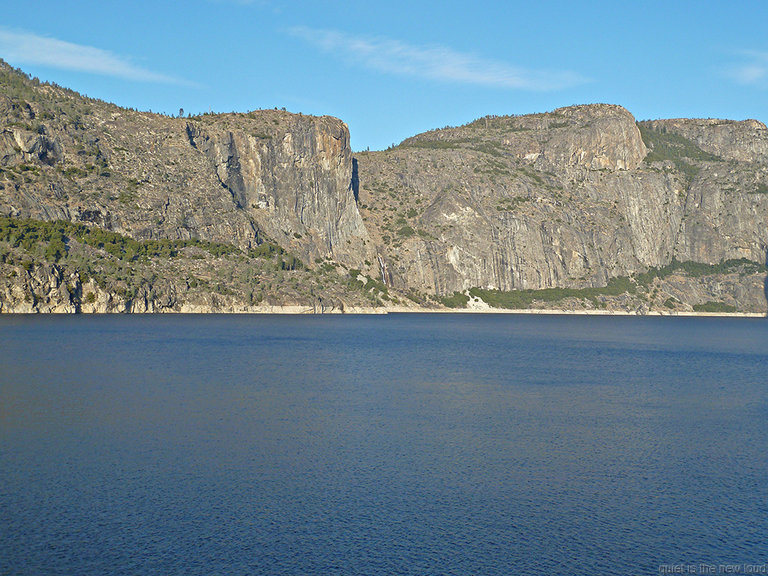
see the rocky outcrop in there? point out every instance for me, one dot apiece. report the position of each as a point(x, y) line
point(22, 146)
point(38, 288)
point(745, 141)
point(47, 288)
point(30, 287)
point(234, 178)
point(569, 198)
point(596, 137)
point(565, 199)
point(295, 182)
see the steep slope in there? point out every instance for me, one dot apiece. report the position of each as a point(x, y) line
point(725, 167)
point(108, 209)
point(267, 195)
point(570, 198)
point(225, 178)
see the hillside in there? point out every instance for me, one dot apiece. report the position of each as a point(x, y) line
point(572, 199)
point(109, 209)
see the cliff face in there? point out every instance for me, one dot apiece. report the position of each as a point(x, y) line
point(228, 178)
point(293, 177)
point(569, 198)
point(726, 204)
point(745, 141)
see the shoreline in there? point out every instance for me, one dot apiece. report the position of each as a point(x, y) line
point(297, 310)
point(555, 312)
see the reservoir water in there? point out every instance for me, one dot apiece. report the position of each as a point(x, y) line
point(400, 444)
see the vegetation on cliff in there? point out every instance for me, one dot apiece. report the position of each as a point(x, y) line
point(578, 208)
point(640, 291)
point(65, 266)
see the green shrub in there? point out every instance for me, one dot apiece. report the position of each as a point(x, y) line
point(54, 235)
point(455, 300)
point(415, 296)
point(669, 146)
point(265, 250)
point(509, 204)
point(55, 250)
point(517, 299)
point(429, 144)
point(699, 269)
point(714, 307)
point(290, 262)
point(670, 302)
point(406, 231)
point(372, 283)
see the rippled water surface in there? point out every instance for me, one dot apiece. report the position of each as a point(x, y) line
point(403, 444)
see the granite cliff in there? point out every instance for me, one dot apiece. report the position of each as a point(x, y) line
point(226, 178)
point(108, 209)
point(568, 199)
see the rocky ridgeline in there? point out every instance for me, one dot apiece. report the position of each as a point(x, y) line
point(226, 178)
point(745, 141)
point(570, 199)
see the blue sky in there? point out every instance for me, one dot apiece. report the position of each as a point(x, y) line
point(391, 70)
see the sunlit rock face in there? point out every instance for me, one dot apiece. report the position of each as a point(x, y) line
point(569, 198)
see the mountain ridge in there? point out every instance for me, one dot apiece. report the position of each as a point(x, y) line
point(566, 200)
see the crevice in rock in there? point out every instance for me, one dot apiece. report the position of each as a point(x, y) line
point(354, 183)
point(191, 135)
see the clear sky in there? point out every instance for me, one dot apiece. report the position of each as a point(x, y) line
point(393, 69)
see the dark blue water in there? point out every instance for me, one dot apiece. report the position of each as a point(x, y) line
point(405, 444)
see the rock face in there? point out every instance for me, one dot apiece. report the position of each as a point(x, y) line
point(294, 182)
point(745, 141)
point(596, 137)
point(566, 199)
point(38, 289)
point(569, 198)
point(229, 178)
